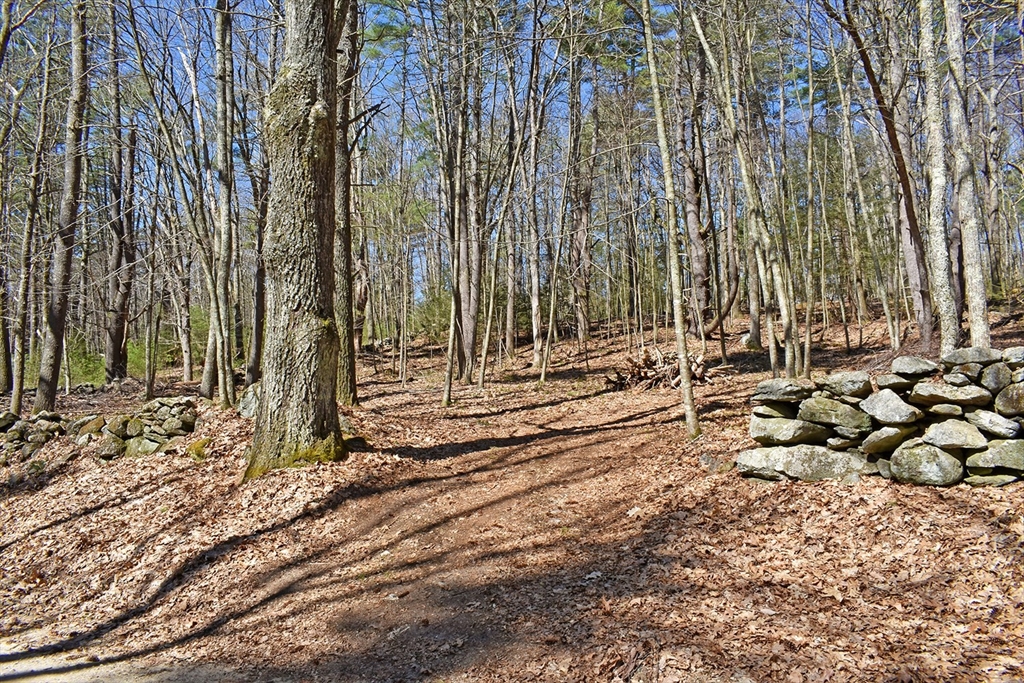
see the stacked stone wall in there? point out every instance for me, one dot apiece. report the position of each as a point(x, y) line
point(923, 422)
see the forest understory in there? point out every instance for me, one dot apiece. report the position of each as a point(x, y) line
point(550, 532)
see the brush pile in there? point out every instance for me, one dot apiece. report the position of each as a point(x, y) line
point(652, 369)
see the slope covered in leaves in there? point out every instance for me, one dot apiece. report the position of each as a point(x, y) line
point(531, 532)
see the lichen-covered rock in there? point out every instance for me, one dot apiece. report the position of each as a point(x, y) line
point(1010, 401)
point(932, 393)
point(971, 371)
point(118, 426)
point(90, 424)
point(895, 382)
point(996, 377)
point(889, 409)
point(957, 380)
point(913, 366)
point(946, 410)
point(249, 400)
point(990, 479)
point(971, 354)
point(1007, 454)
point(886, 439)
point(6, 420)
point(954, 434)
point(110, 447)
point(993, 423)
point(840, 443)
point(830, 412)
point(884, 468)
point(916, 462)
point(141, 445)
point(135, 427)
point(1014, 357)
point(803, 462)
point(775, 409)
point(771, 432)
point(784, 390)
point(856, 384)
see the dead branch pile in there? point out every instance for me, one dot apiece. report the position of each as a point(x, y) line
point(652, 369)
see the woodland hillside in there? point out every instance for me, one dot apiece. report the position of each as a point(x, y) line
point(530, 532)
point(352, 340)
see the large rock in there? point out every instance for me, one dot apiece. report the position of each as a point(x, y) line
point(889, 409)
point(954, 434)
point(971, 371)
point(856, 384)
point(1007, 454)
point(141, 445)
point(7, 420)
point(118, 426)
point(1010, 401)
point(772, 432)
point(895, 382)
point(784, 390)
point(990, 479)
point(972, 354)
point(913, 365)
point(830, 412)
point(886, 439)
point(1014, 357)
point(806, 463)
point(957, 380)
point(993, 423)
point(916, 462)
point(996, 377)
point(249, 401)
point(775, 409)
point(932, 393)
point(110, 447)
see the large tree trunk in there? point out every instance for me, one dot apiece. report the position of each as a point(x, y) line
point(57, 308)
point(297, 418)
point(938, 249)
point(965, 182)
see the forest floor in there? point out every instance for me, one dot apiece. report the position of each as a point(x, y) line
point(530, 532)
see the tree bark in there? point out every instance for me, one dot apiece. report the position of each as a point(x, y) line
point(57, 308)
point(297, 417)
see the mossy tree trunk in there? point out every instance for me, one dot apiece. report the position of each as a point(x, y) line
point(297, 418)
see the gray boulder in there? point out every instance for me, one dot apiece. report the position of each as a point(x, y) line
point(775, 409)
point(957, 380)
point(806, 463)
point(946, 410)
point(110, 447)
point(248, 401)
point(886, 439)
point(889, 409)
point(1010, 401)
point(933, 393)
point(971, 371)
point(1007, 454)
point(884, 468)
point(783, 390)
point(856, 384)
point(993, 423)
point(990, 479)
point(954, 434)
point(848, 433)
point(141, 445)
point(972, 354)
point(829, 412)
point(913, 365)
point(1014, 357)
point(894, 382)
point(916, 462)
point(996, 377)
point(772, 432)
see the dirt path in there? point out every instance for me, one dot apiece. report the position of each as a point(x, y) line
point(530, 533)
